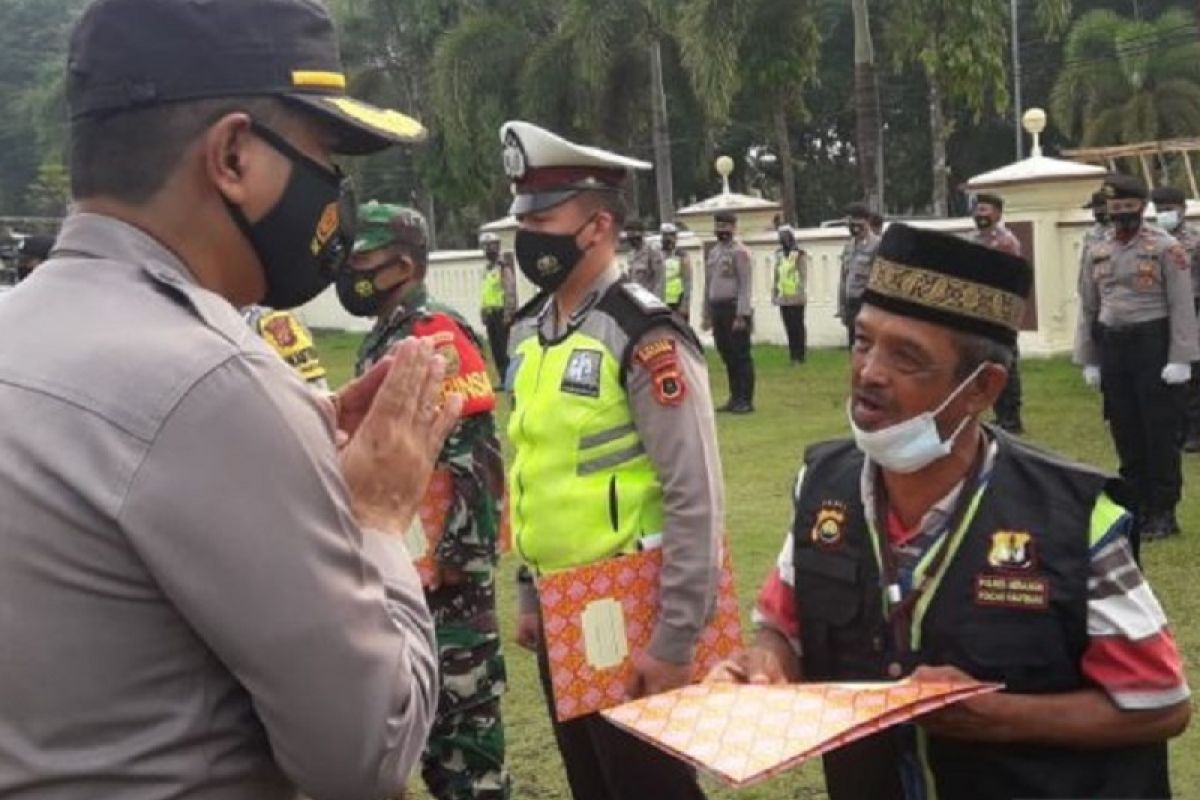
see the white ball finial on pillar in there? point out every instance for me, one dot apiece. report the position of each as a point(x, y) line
point(724, 167)
point(1034, 122)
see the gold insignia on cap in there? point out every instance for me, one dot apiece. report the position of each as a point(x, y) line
point(1109, 191)
point(383, 119)
point(946, 293)
point(317, 79)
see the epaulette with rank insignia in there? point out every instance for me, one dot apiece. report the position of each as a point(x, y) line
point(638, 311)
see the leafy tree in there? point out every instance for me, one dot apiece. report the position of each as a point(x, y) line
point(50, 191)
point(1128, 80)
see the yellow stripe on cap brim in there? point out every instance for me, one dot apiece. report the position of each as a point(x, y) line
point(318, 79)
point(383, 120)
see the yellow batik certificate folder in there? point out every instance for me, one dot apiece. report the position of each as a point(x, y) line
point(744, 734)
point(596, 617)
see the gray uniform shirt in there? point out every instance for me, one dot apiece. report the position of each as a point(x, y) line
point(857, 257)
point(1145, 279)
point(729, 275)
point(681, 441)
point(188, 608)
point(1189, 236)
point(647, 269)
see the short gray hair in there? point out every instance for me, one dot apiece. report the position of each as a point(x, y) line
point(974, 350)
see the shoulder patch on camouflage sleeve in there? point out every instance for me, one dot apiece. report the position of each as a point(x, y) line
point(466, 372)
point(660, 359)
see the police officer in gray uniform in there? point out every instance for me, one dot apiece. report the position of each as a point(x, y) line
point(729, 310)
point(857, 257)
point(1171, 205)
point(204, 591)
point(1098, 205)
point(646, 265)
point(1136, 341)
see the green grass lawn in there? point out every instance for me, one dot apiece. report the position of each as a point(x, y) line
point(761, 452)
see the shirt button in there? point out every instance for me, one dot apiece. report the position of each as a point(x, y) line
point(895, 670)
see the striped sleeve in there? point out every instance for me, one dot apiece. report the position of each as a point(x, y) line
point(1131, 653)
point(776, 604)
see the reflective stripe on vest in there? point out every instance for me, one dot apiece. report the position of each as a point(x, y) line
point(491, 293)
point(674, 272)
point(787, 283)
point(582, 488)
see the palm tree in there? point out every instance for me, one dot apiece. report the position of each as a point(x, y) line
point(1127, 80)
point(868, 132)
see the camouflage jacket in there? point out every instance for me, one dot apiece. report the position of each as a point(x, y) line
point(472, 451)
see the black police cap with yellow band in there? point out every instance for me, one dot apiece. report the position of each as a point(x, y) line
point(127, 55)
point(946, 280)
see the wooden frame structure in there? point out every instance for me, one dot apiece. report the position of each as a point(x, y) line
point(1142, 151)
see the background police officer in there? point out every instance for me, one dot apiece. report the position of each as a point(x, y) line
point(1098, 205)
point(464, 758)
point(1136, 340)
point(991, 232)
point(789, 291)
point(645, 266)
point(729, 310)
point(612, 426)
point(31, 252)
point(857, 256)
point(677, 266)
point(1171, 206)
point(497, 300)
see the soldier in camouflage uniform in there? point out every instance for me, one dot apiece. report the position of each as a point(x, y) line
point(465, 754)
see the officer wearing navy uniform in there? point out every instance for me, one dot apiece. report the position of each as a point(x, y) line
point(1136, 341)
point(614, 440)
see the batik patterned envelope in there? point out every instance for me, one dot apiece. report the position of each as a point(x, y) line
point(595, 618)
point(744, 734)
point(425, 532)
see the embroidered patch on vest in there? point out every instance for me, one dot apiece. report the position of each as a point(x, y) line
point(1012, 551)
point(660, 359)
point(829, 530)
point(1012, 591)
point(1013, 584)
point(583, 373)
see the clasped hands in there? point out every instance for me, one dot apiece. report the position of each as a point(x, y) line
point(390, 426)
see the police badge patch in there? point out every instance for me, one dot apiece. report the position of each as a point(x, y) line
point(516, 164)
point(829, 529)
point(582, 376)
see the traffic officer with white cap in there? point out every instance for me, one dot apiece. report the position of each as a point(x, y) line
point(1136, 341)
point(613, 429)
point(678, 268)
point(497, 300)
point(788, 291)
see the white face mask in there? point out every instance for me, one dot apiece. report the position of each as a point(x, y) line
point(913, 444)
point(1169, 220)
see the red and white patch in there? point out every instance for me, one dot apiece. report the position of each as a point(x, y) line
point(661, 360)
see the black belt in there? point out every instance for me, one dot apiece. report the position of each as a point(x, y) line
point(1138, 330)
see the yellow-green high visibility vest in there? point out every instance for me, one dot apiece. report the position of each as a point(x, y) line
point(674, 271)
point(491, 293)
point(787, 281)
point(581, 487)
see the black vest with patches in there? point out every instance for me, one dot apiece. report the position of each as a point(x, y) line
point(971, 623)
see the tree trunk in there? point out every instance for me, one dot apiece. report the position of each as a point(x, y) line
point(938, 135)
point(868, 133)
point(662, 136)
point(783, 142)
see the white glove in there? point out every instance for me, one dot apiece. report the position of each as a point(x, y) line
point(1175, 374)
point(1091, 376)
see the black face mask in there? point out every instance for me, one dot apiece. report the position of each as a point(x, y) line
point(857, 229)
point(546, 259)
point(357, 292)
point(1127, 222)
point(635, 242)
point(1101, 217)
point(983, 222)
point(724, 236)
point(491, 253)
point(787, 243)
point(305, 239)
point(668, 243)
